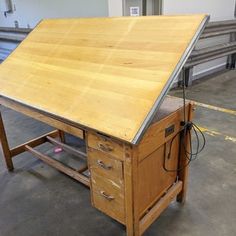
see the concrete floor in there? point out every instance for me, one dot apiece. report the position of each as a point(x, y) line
point(38, 200)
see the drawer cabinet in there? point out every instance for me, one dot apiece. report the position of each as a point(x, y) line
point(129, 183)
point(107, 182)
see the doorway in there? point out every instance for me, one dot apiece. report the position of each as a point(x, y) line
point(142, 7)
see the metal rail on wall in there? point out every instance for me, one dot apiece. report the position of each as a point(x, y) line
point(10, 38)
point(13, 34)
point(198, 56)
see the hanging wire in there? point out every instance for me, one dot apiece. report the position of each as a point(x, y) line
point(186, 137)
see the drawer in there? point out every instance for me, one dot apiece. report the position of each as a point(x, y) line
point(104, 165)
point(106, 145)
point(108, 197)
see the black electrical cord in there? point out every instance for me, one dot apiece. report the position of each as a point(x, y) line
point(185, 133)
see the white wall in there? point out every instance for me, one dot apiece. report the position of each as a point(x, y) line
point(217, 9)
point(29, 12)
point(115, 7)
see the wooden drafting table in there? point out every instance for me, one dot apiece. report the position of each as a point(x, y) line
point(103, 80)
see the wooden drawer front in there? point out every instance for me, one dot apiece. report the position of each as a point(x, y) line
point(104, 165)
point(108, 197)
point(106, 145)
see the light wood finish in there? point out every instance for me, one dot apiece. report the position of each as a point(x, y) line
point(101, 73)
point(108, 196)
point(160, 207)
point(106, 145)
point(102, 164)
point(43, 117)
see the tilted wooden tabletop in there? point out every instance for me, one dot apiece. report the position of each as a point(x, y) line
point(102, 73)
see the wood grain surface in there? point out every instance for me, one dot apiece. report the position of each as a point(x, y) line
point(101, 73)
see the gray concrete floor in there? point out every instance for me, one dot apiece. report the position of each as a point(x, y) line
point(38, 200)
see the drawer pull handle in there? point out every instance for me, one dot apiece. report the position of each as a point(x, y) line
point(108, 197)
point(103, 165)
point(105, 148)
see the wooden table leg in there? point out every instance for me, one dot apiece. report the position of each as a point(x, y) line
point(130, 176)
point(62, 136)
point(5, 146)
point(184, 173)
point(183, 176)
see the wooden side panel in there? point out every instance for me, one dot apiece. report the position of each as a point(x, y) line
point(153, 180)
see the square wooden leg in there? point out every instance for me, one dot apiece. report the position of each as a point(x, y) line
point(130, 175)
point(184, 168)
point(184, 173)
point(5, 146)
point(62, 136)
point(183, 176)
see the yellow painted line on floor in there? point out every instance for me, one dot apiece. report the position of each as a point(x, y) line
point(216, 133)
point(215, 108)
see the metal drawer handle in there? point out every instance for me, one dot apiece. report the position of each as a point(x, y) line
point(108, 197)
point(103, 165)
point(105, 147)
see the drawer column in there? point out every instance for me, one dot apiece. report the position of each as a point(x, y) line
point(105, 159)
point(114, 173)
